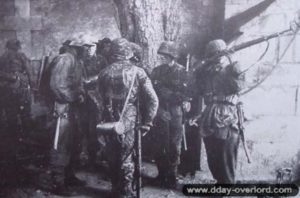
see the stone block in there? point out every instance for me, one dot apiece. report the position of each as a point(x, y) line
point(7, 7)
point(22, 8)
point(39, 7)
point(207, 2)
point(25, 39)
point(37, 41)
point(21, 23)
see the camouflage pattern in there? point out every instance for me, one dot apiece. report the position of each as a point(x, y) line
point(170, 85)
point(220, 85)
point(214, 47)
point(66, 87)
point(113, 85)
point(121, 49)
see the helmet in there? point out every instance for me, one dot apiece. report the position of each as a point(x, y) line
point(214, 47)
point(137, 50)
point(121, 48)
point(76, 43)
point(66, 42)
point(168, 48)
point(13, 44)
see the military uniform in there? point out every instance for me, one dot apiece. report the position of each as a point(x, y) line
point(93, 65)
point(67, 90)
point(170, 83)
point(220, 82)
point(113, 85)
point(15, 104)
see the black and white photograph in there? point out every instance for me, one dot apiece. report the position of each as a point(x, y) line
point(149, 98)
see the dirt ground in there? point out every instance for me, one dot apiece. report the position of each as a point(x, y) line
point(98, 185)
point(259, 131)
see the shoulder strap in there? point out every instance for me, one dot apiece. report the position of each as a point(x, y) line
point(129, 93)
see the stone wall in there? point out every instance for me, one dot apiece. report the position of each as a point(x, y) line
point(272, 131)
point(42, 25)
point(202, 21)
point(50, 22)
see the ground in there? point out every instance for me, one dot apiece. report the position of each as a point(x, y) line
point(99, 186)
point(273, 143)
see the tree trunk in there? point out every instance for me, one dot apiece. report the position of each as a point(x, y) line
point(172, 19)
point(148, 23)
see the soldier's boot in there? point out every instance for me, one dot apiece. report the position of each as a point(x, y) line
point(161, 179)
point(56, 184)
point(172, 180)
point(72, 180)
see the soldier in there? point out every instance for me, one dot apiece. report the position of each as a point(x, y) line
point(114, 85)
point(103, 52)
point(220, 81)
point(92, 67)
point(66, 87)
point(65, 45)
point(170, 81)
point(15, 105)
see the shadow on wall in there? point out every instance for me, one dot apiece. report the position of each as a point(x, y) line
point(233, 24)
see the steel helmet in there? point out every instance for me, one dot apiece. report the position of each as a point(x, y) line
point(214, 47)
point(121, 48)
point(168, 48)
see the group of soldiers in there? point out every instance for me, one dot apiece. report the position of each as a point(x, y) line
point(111, 88)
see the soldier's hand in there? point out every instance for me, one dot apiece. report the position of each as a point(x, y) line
point(193, 122)
point(186, 106)
point(81, 99)
point(144, 129)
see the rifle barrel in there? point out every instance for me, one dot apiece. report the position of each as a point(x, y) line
point(242, 46)
point(256, 41)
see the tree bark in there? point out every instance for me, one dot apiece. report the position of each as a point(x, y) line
point(148, 23)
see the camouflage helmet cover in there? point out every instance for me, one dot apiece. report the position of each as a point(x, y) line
point(168, 48)
point(121, 48)
point(214, 47)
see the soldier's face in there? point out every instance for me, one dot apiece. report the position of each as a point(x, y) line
point(165, 59)
point(106, 48)
point(88, 51)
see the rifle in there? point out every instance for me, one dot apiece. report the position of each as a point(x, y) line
point(240, 114)
point(45, 62)
point(138, 153)
point(183, 109)
point(247, 44)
